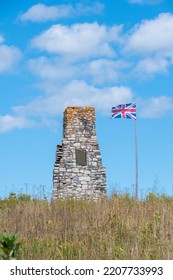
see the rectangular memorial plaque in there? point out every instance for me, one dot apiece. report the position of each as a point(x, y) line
point(81, 157)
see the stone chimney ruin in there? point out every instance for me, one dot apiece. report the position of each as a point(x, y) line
point(78, 170)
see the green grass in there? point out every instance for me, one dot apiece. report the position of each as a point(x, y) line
point(115, 228)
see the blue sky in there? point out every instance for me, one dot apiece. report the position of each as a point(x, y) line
point(55, 54)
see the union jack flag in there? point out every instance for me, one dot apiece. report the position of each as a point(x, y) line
point(126, 111)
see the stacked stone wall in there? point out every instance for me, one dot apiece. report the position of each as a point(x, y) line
point(78, 170)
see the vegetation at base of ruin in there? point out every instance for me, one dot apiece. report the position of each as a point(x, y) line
point(116, 228)
point(9, 246)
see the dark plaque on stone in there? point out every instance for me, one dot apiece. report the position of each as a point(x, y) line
point(81, 157)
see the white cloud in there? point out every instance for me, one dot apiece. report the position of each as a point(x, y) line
point(151, 42)
point(102, 43)
point(98, 71)
point(42, 13)
point(152, 36)
point(79, 40)
point(53, 68)
point(74, 93)
point(42, 110)
point(1, 38)
point(9, 56)
point(156, 107)
point(102, 70)
point(149, 2)
point(151, 66)
point(8, 122)
point(94, 8)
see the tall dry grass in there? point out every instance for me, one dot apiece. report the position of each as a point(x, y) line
point(115, 228)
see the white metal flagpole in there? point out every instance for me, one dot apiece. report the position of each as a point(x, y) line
point(136, 151)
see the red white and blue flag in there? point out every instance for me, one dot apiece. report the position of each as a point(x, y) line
point(125, 111)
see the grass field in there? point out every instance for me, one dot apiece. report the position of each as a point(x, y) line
point(116, 228)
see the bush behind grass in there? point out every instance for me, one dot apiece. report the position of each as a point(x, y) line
point(115, 228)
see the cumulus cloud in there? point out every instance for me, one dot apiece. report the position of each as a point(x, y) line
point(156, 107)
point(42, 110)
point(9, 56)
point(9, 122)
point(151, 42)
point(43, 13)
point(84, 61)
point(151, 66)
point(74, 93)
point(53, 68)
point(152, 36)
point(99, 71)
point(103, 71)
point(79, 40)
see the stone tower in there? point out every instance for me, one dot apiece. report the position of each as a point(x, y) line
point(78, 170)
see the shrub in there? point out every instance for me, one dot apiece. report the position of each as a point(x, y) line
point(9, 246)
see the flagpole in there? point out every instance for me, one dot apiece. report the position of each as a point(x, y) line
point(136, 152)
